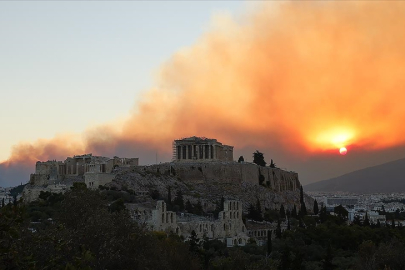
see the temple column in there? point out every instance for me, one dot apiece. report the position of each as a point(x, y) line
point(186, 151)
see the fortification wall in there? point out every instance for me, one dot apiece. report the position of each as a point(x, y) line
point(39, 179)
point(229, 172)
point(93, 180)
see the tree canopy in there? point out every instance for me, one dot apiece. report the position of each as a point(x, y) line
point(258, 158)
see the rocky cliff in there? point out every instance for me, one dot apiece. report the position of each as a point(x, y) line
point(208, 182)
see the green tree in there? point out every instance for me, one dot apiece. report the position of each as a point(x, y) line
point(169, 196)
point(258, 158)
point(341, 212)
point(194, 242)
point(269, 244)
point(285, 259)
point(79, 186)
point(301, 223)
point(366, 221)
point(303, 209)
point(189, 207)
point(356, 220)
point(323, 215)
point(178, 200)
point(278, 229)
point(155, 194)
point(294, 212)
point(282, 212)
point(316, 209)
point(117, 206)
point(261, 179)
point(198, 209)
point(251, 212)
point(367, 255)
point(327, 261)
point(259, 216)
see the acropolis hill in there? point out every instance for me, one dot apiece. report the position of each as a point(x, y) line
point(203, 169)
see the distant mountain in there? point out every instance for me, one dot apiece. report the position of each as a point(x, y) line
point(387, 177)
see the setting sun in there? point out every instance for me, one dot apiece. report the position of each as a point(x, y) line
point(343, 151)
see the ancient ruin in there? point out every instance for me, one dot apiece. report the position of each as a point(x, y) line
point(201, 149)
point(57, 176)
point(229, 226)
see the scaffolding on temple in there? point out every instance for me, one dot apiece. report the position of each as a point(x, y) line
point(174, 156)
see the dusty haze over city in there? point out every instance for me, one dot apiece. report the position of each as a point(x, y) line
point(294, 80)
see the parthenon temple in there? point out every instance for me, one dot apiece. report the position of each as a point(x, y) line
point(201, 149)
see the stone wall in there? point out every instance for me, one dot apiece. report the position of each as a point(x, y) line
point(231, 172)
point(94, 180)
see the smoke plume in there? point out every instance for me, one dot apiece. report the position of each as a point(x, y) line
point(304, 78)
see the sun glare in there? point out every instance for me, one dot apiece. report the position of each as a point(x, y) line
point(343, 151)
point(335, 138)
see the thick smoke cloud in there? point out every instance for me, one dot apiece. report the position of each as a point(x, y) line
point(298, 79)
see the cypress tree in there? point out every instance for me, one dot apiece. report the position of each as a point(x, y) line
point(366, 222)
point(316, 209)
point(269, 246)
point(303, 207)
point(258, 211)
point(294, 212)
point(178, 200)
point(300, 223)
point(278, 229)
point(169, 196)
point(189, 207)
point(282, 212)
point(222, 203)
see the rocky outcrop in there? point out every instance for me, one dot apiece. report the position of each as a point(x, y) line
point(208, 182)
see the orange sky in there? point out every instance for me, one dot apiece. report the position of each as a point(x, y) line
point(305, 77)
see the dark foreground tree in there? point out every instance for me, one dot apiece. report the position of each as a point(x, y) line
point(282, 212)
point(258, 158)
point(303, 209)
point(178, 200)
point(316, 208)
point(86, 235)
point(269, 245)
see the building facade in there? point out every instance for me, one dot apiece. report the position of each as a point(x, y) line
point(201, 149)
